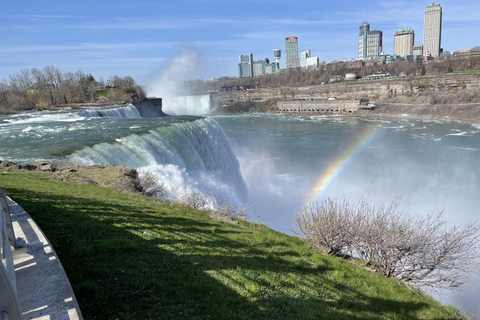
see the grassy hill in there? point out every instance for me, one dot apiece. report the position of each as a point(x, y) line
point(192, 267)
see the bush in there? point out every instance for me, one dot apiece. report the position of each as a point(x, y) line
point(421, 251)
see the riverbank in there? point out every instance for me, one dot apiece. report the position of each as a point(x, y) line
point(130, 256)
point(442, 97)
point(466, 113)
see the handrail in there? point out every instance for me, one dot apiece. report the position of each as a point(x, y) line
point(8, 288)
point(8, 219)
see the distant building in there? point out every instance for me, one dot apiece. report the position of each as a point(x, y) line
point(311, 62)
point(432, 33)
point(277, 53)
point(304, 56)
point(370, 43)
point(469, 53)
point(404, 40)
point(418, 50)
point(260, 67)
point(245, 66)
point(271, 68)
point(291, 48)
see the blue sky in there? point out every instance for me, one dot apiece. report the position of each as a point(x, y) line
point(139, 38)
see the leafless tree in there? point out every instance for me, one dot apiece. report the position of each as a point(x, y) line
point(327, 226)
point(422, 251)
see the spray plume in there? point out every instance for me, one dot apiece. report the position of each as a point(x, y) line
point(167, 84)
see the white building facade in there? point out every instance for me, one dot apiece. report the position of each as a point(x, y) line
point(404, 40)
point(432, 33)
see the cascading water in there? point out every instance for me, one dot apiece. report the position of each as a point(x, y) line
point(128, 111)
point(191, 105)
point(183, 155)
point(184, 158)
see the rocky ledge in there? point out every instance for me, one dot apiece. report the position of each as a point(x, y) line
point(117, 177)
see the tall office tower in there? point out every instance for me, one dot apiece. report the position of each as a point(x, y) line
point(245, 66)
point(305, 55)
point(403, 42)
point(432, 32)
point(370, 43)
point(291, 47)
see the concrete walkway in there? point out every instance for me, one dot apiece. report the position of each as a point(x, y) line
point(43, 289)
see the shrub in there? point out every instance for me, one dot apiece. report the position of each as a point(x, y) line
point(421, 251)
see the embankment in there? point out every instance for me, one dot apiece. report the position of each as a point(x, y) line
point(455, 97)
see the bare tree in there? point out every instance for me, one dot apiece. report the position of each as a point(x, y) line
point(326, 227)
point(422, 251)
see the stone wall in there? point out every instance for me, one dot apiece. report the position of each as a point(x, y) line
point(336, 106)
point(150, 107)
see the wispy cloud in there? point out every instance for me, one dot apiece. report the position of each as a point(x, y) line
point(39, 16)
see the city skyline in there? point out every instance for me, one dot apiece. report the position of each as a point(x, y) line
point(138, 39)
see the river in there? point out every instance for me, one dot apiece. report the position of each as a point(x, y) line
point(272, 164)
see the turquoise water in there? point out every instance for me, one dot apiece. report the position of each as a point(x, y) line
point(431, 165)
point(272, 164)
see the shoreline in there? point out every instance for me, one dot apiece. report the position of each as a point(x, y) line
point(463, 113)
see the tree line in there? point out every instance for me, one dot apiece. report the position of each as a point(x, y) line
point(49, 88)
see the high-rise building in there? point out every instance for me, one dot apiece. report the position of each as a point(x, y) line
point(403, 42)
point(291, 48)
point(432, 32)
point(260, 67)
point(245, 65)
point(304, 56)
point(370, 43)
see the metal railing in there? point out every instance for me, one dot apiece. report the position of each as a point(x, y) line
point(8, 287)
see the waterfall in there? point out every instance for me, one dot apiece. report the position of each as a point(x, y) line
point(183, 157)
point(128, 111)
point(191, 105)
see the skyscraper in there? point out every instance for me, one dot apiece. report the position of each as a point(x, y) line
point(245, 65)
point(305, 55)
point(432, 32)
point(403, 42)
point(370, 43)
point(291, 48)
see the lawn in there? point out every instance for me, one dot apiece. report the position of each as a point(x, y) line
point(190, 267)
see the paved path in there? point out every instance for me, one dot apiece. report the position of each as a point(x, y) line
point(43, 289)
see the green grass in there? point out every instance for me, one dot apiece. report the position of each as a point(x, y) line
point(107, 93)
point(194, 268)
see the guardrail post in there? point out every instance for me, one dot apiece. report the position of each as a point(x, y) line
point(4, 315)
point(8, 287)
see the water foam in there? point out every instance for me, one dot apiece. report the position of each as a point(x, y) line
point(188, 105)
point(128, 111)
point(185, 157)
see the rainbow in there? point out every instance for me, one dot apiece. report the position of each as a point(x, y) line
point(342, 160)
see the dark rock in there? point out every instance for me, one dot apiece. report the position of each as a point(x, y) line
point(27, 166)
point(7, 164)
point(48, 167)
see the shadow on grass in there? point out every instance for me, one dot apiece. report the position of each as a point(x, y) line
point(189, 268)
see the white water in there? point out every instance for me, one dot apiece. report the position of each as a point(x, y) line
point(188, 157)
point(128, 111)
point(191, 105)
